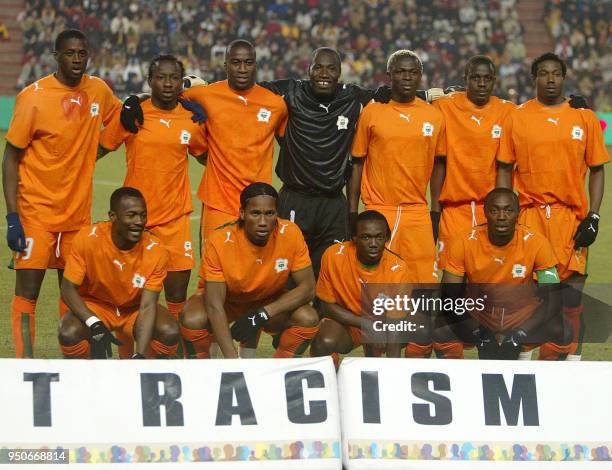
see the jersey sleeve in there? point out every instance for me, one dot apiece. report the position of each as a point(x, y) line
point(301, 258)
point(211, 269)
point(199, 143)
point(194, 94)
point(455, 257)
point(596, 151)
point(113, 135)
point(545, 257)
point(361, 141)
point(21, 129)
point(441, 138)
point(112, 105)
point(506, 152)
point(155, 282)
point(278, 87)
point(324, 289)
point(76, 265)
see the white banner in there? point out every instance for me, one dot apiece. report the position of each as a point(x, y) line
point(222, 413)
point(417, 414)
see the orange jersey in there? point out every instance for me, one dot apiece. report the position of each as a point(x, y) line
point(241, 127)
point(342, 275)
point(59, 128)
point(251, 272)
point(552, 147)
point(112, 276)
point(156, 157)
point(473, 134)
point(400, 141)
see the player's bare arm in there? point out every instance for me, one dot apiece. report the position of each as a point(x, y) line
point(596, 187)
point(214, 300)
point(340, 314)
point(453, 287)
point(143, 329)
point(550, 293)
point(504, 175)
point(70, 294)
point(437, 180)
point(353, 187)
point(302, 294)
point(10, 176)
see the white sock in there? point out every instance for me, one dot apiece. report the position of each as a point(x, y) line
point(215, 351)
point(573, 357)
point(248, 353)
point(525, 355)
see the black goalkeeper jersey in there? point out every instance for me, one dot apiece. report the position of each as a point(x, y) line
point(314, 153)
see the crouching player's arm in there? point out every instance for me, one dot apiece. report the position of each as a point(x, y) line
point(549, 290)
point(214, 301)
point(143, 329)
point(462, 326)
point(70, 294)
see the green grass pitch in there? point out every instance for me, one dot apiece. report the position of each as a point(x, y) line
point(109, 175)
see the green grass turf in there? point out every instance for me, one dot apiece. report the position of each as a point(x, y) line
point(109, 175)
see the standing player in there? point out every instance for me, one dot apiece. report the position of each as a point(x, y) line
point(157, 165)
point(47, 173)
point(113, 277)
point(245, 269)
point(553, 145)
point(346, 268)
point(399, 148)
point(499, 259)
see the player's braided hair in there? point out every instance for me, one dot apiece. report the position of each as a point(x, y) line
point(119, 194)
point(478, 60)
point(69, 34)
point(254, 190)
point(165, 58)
point(544, 57)
point(497, 191)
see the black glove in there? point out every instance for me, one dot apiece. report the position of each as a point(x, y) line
point(198, 115)
point(435, 224)
point(247, 326)
point(131, 112)
point(101, 339)
point(15, 236)
point(587, 230)
point(512, 344)
point(137, 356)
point(578, 102)
point(382, 94)
point(485, 342)
point(352, 224)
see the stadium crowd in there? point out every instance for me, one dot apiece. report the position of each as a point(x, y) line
point(127, 34)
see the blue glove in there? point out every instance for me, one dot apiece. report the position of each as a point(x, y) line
point(15, 236)
point(198, 114)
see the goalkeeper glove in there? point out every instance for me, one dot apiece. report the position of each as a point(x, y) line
point(198, 115)
point(193, 80)
point(101, 339)
point(512, 344)
point(137, 356)
point(587, 230)
point(485, 342)
point(247, 326)
point(15, 236)
point(578, 102)
point(131, 112)
point(435, 93)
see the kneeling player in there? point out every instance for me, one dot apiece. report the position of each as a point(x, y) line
point(112, 281)
point(243, 275)
point(500, 259)
point(346, 268)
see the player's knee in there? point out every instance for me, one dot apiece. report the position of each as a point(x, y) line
point(193, 318)
point(305, 316)
point(167, 332)
point(323, 344)
point(71, 330)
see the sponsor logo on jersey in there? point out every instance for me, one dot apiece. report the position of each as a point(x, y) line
point(342, 122)
point(281, 264)
point(554, 121)
point(166, 123)
point(519, 270)
point(496, 131)
point(264, 115)
point(474, 118)
point(185, 137)
point(94, 109)
point(577, 133)
point(428, 129)
point(138, 281)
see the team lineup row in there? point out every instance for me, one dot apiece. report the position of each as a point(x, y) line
point(462, 146)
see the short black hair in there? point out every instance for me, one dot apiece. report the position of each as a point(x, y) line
point(256, 189)
point(326, 50)
point(478, 60)
point(165, 58)
point(236, 43)
point(120, 193)
point(544, 57)
point(498, 191)
point(373, 215)
point(69, 34)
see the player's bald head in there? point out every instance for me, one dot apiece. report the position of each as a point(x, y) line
point(328, 51)
point(122, 193)
point(496, 193)
point(239, 44)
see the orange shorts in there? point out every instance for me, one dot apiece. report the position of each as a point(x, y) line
point(500, 321)
point(412, 239)
point(558, 223)
point(212, 219)
point(457, 219)
point(119, 320)
point(176, 238)
point(44, 250)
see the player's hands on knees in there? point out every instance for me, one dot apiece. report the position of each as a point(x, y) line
point(247, 326)
point(101, 339)
point(130, 113)
point(15, 236)
point(485, 340)
point(587, 230)
point(198, 115)
point(512, 344)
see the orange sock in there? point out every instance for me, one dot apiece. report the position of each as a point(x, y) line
point(162, 350)
point(175, 308)
point(415, 350)
point(24, 326)
point(76, 351)
point(557, 352)
point(450, 350)
point(62, 307)
point(295, 340)
point(197, 343)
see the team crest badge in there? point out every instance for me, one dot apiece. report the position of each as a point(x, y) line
point(496, 131)
point(138, 281)
point(185, 137)
point(281, 264)
point(519, 270)
point(342, 122)
point(264, 115)
point(428, 129)
point(577, 133)
point(94, 109)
